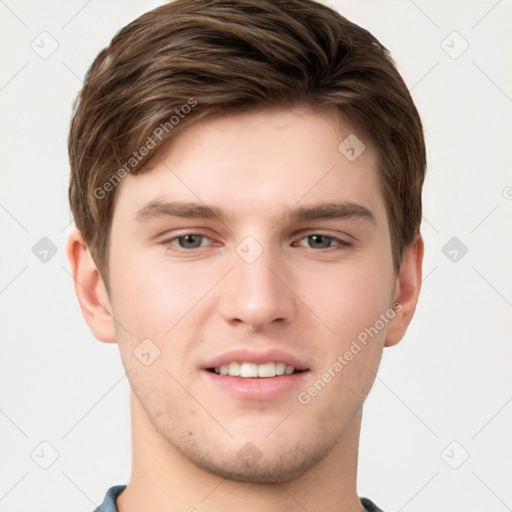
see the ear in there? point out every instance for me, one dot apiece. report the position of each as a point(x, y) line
point(407, 290)
point(90, 289)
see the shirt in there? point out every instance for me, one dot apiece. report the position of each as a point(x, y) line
point(109, 503)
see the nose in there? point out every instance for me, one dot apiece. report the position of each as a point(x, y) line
point(258, 291)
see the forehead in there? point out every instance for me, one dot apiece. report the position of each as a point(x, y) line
point(258, 165)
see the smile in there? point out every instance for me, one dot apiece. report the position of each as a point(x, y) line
point(252, 370)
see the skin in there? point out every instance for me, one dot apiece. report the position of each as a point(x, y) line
point(309, 299)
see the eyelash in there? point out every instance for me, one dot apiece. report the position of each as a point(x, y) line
point(340, 243)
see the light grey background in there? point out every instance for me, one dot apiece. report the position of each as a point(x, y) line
point(443, 393)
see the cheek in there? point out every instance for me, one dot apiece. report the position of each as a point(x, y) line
point(347, 298)
point(152, 313)
point(351, 335)
point(154, 297)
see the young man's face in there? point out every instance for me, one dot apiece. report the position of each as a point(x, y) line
point(260, 285)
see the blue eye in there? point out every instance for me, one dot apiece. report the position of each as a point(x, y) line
point(190, 241)
point(320, 241)
point(185, 242)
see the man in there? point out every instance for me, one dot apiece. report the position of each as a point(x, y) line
point(246, 186)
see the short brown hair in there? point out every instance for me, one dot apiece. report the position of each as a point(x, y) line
point(219, 56)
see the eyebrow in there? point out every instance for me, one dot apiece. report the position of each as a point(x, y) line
point(186, 209)
point(156, 209)
point(339, 210)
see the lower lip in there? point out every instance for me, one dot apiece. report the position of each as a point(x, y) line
point(257, 388)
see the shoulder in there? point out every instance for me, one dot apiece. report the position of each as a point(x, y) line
point(369, 505)
point(109, 503)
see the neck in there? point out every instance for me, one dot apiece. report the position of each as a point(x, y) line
point(163, 479)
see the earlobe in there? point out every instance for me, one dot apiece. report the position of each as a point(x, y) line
point(90, 289)
point(407, 289)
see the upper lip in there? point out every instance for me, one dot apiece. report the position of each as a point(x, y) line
point(244, 355)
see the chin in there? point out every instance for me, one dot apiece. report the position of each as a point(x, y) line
point(259, 462)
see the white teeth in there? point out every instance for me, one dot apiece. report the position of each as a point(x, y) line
point(280, 367)
point(234, 369)
point(267, 370)
point(248, 370)
point(272, 369)
point(289, 370)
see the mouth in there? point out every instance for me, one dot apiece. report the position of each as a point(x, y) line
point(256, 382)
point(256, 375)
point(248, 370)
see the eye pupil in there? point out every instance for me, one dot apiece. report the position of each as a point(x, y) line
point(316, 239)
point(189, 241)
